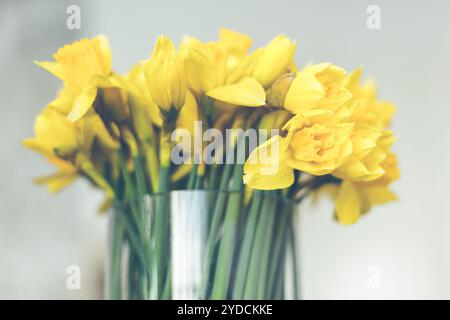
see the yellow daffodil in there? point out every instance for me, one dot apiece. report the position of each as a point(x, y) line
point(208, 65)
point(135, 84)
point(320, 86)
point(165, 76)
point(245, 67)
point(266, 168)
point(211, 59)
point(200, 71)
point(237, 45)
point(366, 108)
point(274, 60)
point(55, 139)
point(356, 198)
point(317, 142)
point(83, 66)
point(66, 144)
point(369, 151)
point(57, 136)
point(246, 82)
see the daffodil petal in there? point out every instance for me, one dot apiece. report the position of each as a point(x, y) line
point(106, 53)
point(277, 55)
point(379, 195)
point(53, 67)
point(82, 104)
point(282, 178)
point(57, 181)
point(34, 145)
point(348, 203)
point(54, 131)
point(235, 39)
point(266, 167)
point(248, 92)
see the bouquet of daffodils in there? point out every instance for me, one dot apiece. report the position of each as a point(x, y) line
point(215, 116)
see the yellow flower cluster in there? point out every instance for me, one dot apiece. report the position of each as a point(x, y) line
point(339, 129)
point(103, 125)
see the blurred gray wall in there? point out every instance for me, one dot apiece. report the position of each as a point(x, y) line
point(401, 250)
point(40, 235)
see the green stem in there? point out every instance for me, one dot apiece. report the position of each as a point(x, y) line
point(215, 223)
point(278, 251)
point(279, 286)
point(116, 243)
point(254, 269)
point(247, 246)
point(129, 197)
point(168, 286)
point(214, 177)
point(161, 218)
point(294, 259)
point(265, 251)
point(198, 182)
point(133, 203)
point(132, 281)
point(227, 243)
point(192, 176)
point(152, 165)
point(135, 241)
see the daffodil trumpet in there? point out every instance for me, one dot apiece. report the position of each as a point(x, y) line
point(245, 130)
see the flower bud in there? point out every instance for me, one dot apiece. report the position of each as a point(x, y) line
point(274, 60)
point(277, 92)
point(166, 77)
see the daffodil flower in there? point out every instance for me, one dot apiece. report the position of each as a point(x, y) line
point(320, 86)
point(83, 66)
point(238, 79)
point(209, 65)
point(318, 143)
point(366, 108)
point(67, 144)
point(356, 198)
point(274, 60)
point(266, 168)
point(165, 75)
point(370, 147)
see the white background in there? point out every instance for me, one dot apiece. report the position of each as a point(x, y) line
point(407, 242)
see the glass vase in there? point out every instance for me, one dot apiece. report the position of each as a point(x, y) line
point(199, 244)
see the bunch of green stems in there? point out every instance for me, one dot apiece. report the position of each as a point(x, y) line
point(249, 233)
